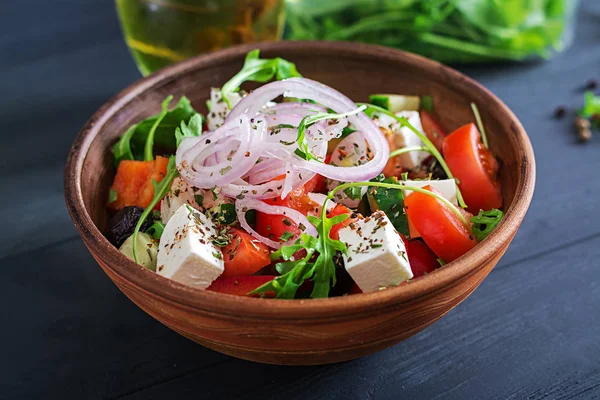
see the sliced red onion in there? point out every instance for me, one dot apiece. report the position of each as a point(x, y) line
point(265, 190)
point(266, 175)
point(192, 153)
point(242, 206)
point(328, 97)
point(297, 108)
point(351, 150)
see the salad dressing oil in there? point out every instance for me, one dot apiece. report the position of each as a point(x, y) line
point(161, 32)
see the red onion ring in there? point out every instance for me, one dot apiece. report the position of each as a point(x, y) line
point(193, 153)
point(242, 206)
point(326, 96)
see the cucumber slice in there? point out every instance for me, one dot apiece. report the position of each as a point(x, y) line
point(395, 102)
point(147, 250)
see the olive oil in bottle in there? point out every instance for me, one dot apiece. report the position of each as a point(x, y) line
point(161, 32)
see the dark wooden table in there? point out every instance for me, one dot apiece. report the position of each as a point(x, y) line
point(532, 330)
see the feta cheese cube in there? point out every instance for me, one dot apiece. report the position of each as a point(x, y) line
point(405, 137)
point(447, 187)
point(376, 256)
point(181, 193)
point(218, 109)
point(186, 253)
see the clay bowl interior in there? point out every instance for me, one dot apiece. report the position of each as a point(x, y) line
point(300, 331)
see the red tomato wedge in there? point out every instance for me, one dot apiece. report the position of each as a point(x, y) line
point(279, 227)
point(394, 165)
point(318, 184)
point(422, 259)
point(433, 130)
point(244, 255)
point(475, 167)
point(240, 285)
point(339, 209)
point(445, 234)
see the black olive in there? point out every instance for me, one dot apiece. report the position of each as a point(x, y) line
point(436, 170)
point(343, 280)
point(122, 224)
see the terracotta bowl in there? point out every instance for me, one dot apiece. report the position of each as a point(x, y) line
point(300, 331)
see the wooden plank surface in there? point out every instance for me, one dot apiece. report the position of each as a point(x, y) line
point(530, 331)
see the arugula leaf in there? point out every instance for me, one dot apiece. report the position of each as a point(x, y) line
point(485, 222)
point(131, 145)
point(149, 146)
point(259, 70)
point(160, 190)
point(320, 269)
point(192, 129)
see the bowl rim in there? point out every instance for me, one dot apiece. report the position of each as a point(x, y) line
point(344, 307)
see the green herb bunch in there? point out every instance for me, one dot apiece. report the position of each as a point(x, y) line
point(447, 30)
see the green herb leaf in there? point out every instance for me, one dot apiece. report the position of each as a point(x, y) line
point(259, 70)
point(149, 147)
point(223, 214)
point(321, 270)
point(285, 236)
point(156, 230)
point(112, 196)
point(160, 190)
point(131, 145)
point(485, 222)
point(591, 105)
point(427, 103)
point(191, 129)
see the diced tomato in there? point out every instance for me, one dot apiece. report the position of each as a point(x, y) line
point(340, 209)
point(475, 167)
point(244, 255)
point(439, 226)
point(422, 259)
point(394, 165)
point(278, 228)
point(133, 182)
point(413, 231)
point(297, 199)
point(240, 285)
point(433, 130)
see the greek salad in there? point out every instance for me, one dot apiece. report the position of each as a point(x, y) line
point(293, 190)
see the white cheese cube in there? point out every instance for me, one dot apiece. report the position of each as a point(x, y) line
point(186, 253)
point(181, 193)
point(447, 187)
point(218, 109)
point(405, 137)
point(376, 256)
